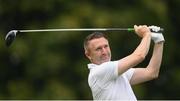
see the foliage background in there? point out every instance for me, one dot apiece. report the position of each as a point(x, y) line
point(52, 65)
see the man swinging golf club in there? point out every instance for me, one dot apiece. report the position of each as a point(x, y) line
point(112, 80)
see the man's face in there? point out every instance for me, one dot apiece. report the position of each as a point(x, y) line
point(98, 51)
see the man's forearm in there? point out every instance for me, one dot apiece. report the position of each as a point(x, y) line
point(152, 70)
point(143, 47)
point(155, 62)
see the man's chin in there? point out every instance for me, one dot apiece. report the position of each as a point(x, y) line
point(105, 60)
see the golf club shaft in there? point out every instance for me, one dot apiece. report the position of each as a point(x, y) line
point(79, 29)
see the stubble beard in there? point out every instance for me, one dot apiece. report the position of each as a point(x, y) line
point(105, 58)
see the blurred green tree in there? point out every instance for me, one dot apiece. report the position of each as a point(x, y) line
point(52, 65)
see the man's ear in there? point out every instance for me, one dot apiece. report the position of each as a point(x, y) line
point(87, 54)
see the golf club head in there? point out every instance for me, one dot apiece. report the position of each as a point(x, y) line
point(10, 37)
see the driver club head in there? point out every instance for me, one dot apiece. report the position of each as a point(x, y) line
point(10, 37)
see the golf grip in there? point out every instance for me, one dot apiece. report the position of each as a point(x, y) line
point(132, 29)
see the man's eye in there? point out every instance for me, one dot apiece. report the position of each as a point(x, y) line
point(106, 46)
point(98, 49)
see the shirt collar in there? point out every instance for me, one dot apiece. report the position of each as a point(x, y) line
point(91, 66)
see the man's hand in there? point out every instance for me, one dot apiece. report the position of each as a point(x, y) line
point(139, 53)
point(142, 30)
point(156, 36)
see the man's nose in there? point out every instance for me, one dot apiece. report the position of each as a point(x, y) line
point(103, 50)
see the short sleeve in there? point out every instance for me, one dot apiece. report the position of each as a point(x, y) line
point(129, 73)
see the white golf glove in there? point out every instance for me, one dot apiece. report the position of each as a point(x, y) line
point(155, 35)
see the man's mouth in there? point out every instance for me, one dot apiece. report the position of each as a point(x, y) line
point(105, 57)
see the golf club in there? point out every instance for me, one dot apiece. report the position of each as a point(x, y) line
point(11, 35)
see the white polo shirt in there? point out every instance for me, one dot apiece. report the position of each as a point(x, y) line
point(106, 84)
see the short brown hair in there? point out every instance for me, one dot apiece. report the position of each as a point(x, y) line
point(92, 36)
